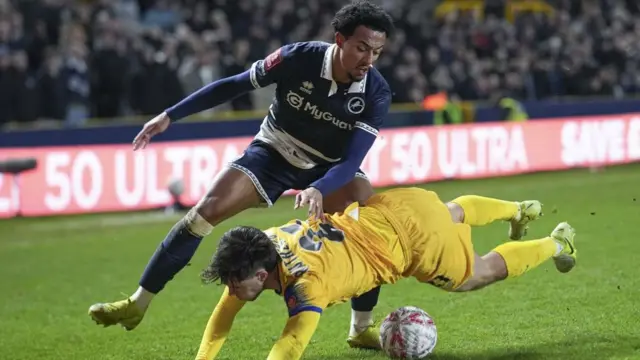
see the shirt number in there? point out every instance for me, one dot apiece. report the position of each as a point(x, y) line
point(312, 240)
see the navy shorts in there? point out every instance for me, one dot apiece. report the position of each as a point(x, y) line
point(272, 174)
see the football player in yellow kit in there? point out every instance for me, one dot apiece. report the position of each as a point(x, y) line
point(396, 234)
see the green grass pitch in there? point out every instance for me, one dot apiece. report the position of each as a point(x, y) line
point(53, 269)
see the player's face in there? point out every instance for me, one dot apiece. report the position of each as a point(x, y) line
point(250, 288)
point(360, 51)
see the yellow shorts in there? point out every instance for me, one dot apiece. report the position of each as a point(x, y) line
point(438, 250)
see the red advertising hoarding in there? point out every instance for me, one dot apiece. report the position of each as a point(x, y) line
point(96, 178)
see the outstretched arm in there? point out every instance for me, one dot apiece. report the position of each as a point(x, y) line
point(211, 95)
point(219, 326)
point(262, 73)
point(295, 336)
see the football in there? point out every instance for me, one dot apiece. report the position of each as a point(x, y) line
point(408, 333)
point(176, 187)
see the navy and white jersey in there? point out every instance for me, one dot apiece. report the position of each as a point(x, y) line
point(312, 118)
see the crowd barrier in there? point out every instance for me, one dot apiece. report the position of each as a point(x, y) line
point(247, 123)
point(111, 177)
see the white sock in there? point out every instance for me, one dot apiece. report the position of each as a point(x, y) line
point(518, 216)
point(360, 320)
point(559, 248)
point(142, 297)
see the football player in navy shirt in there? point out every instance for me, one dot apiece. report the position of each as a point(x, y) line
point(328, 106)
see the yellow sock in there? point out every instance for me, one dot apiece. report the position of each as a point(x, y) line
point(522, 256)
point(480, 210)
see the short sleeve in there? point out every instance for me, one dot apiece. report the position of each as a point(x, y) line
point(305, 295)
point(270, 70)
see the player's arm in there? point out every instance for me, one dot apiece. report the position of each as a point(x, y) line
point(219, 326)
point(295, 337)
point(365, 134)
point(305, 301)
point(262, 73)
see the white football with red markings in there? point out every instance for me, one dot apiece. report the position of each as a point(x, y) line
point(408, 333)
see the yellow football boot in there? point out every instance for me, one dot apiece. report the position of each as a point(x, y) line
point(367, 339)
point(123, 312)
point(564, 234)
point(530, 210)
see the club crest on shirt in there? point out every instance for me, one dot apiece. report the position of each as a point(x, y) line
point(295, 298)
point(355, 105)
point(292, 302)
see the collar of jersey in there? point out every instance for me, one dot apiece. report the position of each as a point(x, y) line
point(327, 73)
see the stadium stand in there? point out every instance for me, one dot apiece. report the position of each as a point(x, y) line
point(69, 60)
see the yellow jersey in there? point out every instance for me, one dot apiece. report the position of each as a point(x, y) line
point(328, 263)
point(398, 233)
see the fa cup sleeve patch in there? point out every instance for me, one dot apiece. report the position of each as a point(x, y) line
point(273, 59)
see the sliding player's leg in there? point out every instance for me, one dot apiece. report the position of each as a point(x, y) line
point(446, 258)
point(459, 267)
point(248, 182)
point(478, 210)
point(362, 332)
point(513, 259)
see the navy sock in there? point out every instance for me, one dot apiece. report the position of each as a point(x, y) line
point(366, 301)
point(170, 257)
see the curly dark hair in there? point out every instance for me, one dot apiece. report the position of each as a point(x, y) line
point(241, 251)
point(362, 12)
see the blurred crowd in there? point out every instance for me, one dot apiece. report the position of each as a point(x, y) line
point(70, 60)
point(583, 48)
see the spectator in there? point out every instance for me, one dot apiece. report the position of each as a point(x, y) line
point(52, 88)
point(108, 58)
point(201, 69)
point(75, 70)
point(107, 90)
point(237, 63)
point(24, 89)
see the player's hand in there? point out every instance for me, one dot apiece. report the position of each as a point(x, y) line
point(312, 197)
point(152, 128)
